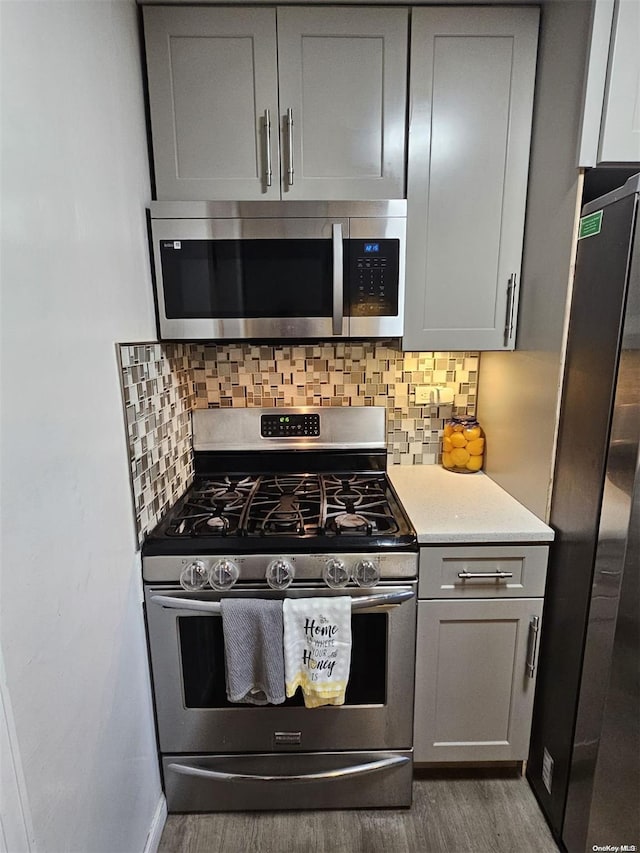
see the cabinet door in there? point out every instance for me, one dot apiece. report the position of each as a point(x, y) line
point(470, 106)
point(342, 74)
point(474, 688)
point(212, 77)
point(620, 135)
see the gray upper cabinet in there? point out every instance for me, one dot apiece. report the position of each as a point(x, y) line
point(620, 136)
point(470, 113)
point(212, 76)
point(343, 75)
point(264, 103)
point(611, 116)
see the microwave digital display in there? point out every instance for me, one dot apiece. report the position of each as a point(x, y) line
point(371, 247)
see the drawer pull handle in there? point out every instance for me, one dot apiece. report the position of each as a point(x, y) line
point(532, 645)
point(339, 773)
point(499, 576)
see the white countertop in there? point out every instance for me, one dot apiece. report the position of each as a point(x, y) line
point(446, 507)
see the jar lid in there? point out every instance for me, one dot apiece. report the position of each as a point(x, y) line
point(464, 420)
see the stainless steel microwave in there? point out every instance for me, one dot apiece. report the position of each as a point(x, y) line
point(272, 270)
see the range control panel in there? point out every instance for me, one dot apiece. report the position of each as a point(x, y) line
point(373, 277)
point(289, 426)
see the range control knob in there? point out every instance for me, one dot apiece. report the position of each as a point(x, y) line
point(224, 574)
point(366, 573)
point(194, 576)
point(280, 573)
point(335, 573)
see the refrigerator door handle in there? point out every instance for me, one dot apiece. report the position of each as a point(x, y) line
point(532, 645)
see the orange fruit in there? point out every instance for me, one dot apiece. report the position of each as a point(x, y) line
point(448, 430)
point(447, 460)
point(472, 433)
point(458, 440)
point(476, 447)
point(447, 446)
point(474, 463)
point(459, 457)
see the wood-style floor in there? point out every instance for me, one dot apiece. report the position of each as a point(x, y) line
point(454, 811)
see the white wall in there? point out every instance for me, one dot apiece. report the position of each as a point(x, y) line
point(75, 279)
point(518, 392)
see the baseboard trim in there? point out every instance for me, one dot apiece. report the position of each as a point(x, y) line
point(157, 825)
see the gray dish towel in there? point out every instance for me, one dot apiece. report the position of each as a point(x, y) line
point(253, 650)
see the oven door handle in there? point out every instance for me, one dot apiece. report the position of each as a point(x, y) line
point(382, 599)
point(172, 603)
point(352, 770)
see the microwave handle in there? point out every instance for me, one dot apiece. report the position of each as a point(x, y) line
point(338, 279)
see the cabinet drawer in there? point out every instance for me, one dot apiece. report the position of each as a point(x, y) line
point(482, 572)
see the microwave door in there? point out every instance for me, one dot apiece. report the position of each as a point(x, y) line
point(250, 278)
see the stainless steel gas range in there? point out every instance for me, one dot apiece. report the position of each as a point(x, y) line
point(285, 503)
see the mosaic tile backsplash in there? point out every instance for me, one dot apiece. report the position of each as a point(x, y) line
point(157, 393)
point(163, 382)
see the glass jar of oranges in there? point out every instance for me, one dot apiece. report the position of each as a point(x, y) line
point(463, 445)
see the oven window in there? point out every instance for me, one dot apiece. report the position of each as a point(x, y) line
point(231, 279)
point(203, 676)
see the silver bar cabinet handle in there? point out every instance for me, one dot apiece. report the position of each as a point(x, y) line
point(532, 645)
point(511, 305)
point(353, 770)
point(290, 131)
point(381, 599)
point(497, 575)
point(267, 128)
point(338, 280)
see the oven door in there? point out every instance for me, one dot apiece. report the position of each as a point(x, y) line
point(193, 714)
point(250, 278)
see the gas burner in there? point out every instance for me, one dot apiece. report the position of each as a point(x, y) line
point(211, 525)
point(217, 522)
point(345, 497)
point(352, 522)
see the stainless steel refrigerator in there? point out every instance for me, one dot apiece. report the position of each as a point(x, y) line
point(585, 750)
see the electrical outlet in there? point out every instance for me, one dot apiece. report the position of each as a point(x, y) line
point(433, 395)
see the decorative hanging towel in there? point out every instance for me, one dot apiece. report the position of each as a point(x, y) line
point(254, 663)
point(317, 648)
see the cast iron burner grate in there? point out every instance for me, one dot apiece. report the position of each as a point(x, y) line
point(212, 507)
point(285, 504)
point(357, 504)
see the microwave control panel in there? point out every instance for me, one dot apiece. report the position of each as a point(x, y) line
point(373, 277)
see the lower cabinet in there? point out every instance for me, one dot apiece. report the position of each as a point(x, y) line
point(476, 652)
